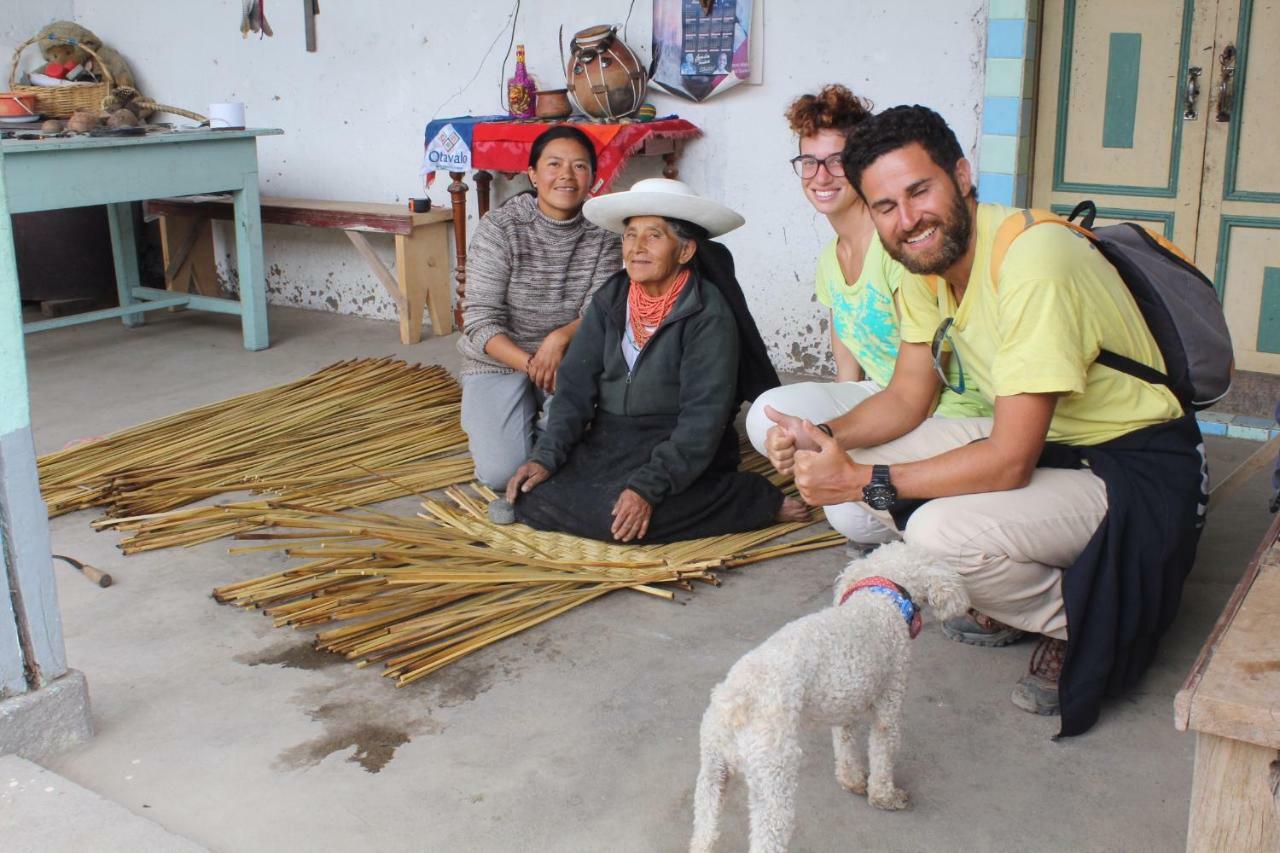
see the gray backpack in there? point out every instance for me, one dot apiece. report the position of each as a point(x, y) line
point(1177, 301)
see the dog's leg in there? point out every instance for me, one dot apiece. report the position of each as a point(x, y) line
point(882, 743)
point(708, 796)
point(851, 770)
point(771, 779)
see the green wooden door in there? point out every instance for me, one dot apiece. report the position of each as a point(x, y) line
point(1239, 236)
point(1112, 123)
point(1161, 112)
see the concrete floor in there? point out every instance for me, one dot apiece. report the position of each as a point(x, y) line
point(579, 735)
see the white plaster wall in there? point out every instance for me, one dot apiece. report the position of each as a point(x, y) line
point(21, 20)
point(353, 113)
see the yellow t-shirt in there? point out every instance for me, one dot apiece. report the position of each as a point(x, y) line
point(1039, 331)
point(866, 321)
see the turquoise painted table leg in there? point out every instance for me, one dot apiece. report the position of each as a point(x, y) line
point(124, 249)
point(253, 274)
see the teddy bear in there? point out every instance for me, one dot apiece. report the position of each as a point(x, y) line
point(56, 47)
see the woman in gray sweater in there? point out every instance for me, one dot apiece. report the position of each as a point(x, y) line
point(532, 267)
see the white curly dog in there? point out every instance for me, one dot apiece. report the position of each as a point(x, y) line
point(845, 666)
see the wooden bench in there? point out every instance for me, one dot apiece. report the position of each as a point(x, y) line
point(1231, 700)
point(422, 248)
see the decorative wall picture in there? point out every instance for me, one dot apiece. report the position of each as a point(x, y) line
point(703, 46)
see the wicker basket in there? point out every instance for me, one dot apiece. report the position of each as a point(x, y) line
point(62, 101)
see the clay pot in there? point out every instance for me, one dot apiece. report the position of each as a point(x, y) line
point(553, 104)
point(604, 76)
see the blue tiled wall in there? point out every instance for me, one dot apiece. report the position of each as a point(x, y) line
point(1006, 119)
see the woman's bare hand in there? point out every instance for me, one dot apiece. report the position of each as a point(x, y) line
point(544, 363)
point(631, 515)
point(524, 479)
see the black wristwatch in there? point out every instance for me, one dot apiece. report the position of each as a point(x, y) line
point(879, 493)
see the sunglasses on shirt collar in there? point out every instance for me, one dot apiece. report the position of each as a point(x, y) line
point(943, 334)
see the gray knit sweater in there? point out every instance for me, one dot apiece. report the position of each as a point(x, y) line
point(527, 275)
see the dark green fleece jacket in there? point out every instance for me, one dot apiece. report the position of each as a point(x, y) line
point(688, 371)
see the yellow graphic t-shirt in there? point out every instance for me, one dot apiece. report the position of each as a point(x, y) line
point(1040, 328)
point(866, 320)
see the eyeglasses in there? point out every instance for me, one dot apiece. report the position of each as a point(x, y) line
point(806, 166)
point(938, 338)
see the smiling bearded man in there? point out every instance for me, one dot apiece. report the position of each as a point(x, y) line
point(956, 230)
point(1075, 511)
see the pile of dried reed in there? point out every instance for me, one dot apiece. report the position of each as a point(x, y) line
point(418, 594)
point(321, 434)
point(413, 594)
point(192, 525)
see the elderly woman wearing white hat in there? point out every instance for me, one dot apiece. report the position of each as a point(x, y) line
point(640, 443)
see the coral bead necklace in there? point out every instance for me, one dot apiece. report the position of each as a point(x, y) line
point(648, 312)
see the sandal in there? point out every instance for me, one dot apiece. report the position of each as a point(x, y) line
point(975, 629)
point(1037, 691)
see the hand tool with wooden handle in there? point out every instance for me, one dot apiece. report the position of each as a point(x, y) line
point(98, 576)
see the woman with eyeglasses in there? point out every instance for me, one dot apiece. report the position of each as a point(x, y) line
point(856, 281)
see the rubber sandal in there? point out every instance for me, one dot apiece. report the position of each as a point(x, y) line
point(969, 629)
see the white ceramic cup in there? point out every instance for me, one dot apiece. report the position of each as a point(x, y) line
point(230, 115)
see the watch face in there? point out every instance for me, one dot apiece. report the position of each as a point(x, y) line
point(879, 496)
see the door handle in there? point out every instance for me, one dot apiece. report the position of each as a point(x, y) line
point(1192, 93)
point(1226, 83)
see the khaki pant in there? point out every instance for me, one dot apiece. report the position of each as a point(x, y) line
point(1012, 546)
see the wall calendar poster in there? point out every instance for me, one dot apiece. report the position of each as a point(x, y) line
point(703, 46)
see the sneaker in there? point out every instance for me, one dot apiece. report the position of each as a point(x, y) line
point(858, 550)
point(1037, 691)
point(975, 629)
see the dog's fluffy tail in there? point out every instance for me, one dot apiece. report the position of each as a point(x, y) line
point(708, 792)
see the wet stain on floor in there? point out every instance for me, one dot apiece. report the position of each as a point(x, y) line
point(354, 726)
point(461, 683)
point(291, 655)
point(548, 649)
point(372, 729)
point(374, 745)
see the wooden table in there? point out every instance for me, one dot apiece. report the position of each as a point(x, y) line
point(47, 174)
point(1231, 700)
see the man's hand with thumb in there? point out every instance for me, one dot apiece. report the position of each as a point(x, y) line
point(825, 475)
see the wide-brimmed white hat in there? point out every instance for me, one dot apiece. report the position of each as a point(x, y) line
point(660, 197)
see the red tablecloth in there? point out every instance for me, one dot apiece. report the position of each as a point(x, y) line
point(503, 146)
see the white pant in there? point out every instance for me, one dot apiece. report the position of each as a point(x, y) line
point(820, 402)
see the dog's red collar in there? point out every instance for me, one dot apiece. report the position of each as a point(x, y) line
point(909, 609)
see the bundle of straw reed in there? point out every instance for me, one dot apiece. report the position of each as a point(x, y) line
point(416, 594)
point(319, 433)
point(193, 525)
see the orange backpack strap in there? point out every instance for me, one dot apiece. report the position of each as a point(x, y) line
point(1015, 224)
point(1167, 244)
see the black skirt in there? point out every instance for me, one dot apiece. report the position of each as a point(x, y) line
point(579, 498)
